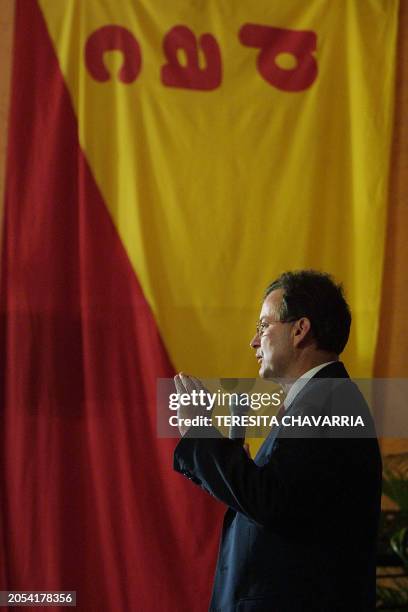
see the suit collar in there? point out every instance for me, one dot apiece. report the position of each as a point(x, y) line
point(300, 382)
point(315, 385)
point(333, 370)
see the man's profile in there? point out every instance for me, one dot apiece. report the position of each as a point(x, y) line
point(300, 531)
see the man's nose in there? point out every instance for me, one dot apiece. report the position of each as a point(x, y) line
point(255, 342)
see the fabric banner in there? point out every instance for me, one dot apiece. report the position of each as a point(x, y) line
point(166, 162)
point(232, 143)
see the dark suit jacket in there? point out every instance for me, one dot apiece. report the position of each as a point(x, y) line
point(300, 532)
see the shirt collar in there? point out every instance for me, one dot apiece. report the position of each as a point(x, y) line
point(301, 382)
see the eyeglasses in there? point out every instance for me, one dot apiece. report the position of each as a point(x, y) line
point(262, 326)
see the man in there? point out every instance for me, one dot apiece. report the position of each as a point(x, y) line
point(300, 531)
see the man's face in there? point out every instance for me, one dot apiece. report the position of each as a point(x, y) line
point(273, 342)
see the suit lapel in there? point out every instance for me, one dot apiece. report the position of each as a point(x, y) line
point(333, 370)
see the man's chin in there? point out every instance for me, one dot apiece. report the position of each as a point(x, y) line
point(265, 373)
point(268, 374)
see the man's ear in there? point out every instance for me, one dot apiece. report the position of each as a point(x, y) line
point(301, 329)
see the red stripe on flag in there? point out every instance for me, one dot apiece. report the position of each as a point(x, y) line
point(89, 496)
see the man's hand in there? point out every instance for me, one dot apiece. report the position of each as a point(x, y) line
point(188, 384)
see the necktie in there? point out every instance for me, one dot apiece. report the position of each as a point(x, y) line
point(281, 412)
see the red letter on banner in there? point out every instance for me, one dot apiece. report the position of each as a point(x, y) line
point(191, 76)
point(113, 38)
point(272, 42)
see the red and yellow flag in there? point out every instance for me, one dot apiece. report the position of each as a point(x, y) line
point(166, 162)
point(232, 144)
